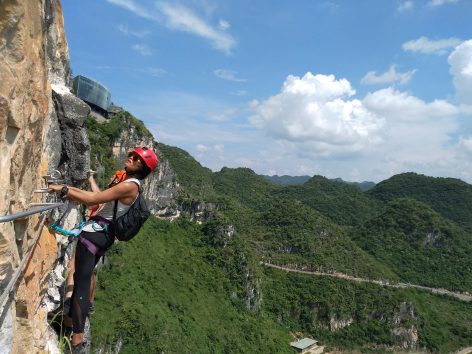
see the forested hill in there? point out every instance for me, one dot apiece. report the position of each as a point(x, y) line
point(188, 287)
point(450, 197)
point(344, 203)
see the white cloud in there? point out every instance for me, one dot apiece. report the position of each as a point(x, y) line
point(460, 61)
point(427, 46)
point(229, 75)
point(180, 18)
point(224, 25)
point(125, 30)
point(313, 111)
point(395, 105)
point(465, 143)
point(405, 6)
point(142, 49)
point(202, 148)
point(388, 132)
point(131, 6)
point(389, 77)
point(416, 134)
point(436, 3)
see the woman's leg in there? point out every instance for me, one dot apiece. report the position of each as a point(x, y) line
point(80, 302)
point(85, 263)
point(70, 277)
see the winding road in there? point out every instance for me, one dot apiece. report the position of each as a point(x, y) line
point(460, 296)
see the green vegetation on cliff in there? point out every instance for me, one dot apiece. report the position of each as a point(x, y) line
point(101, 137)
point(420, 245)
point(166, 291)
point(366, 315)
point(194, 178)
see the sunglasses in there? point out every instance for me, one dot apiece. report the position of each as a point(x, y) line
point(135, 157)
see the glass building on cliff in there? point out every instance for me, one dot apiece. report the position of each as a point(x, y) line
point(92, 92)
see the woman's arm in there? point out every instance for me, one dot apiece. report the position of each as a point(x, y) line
point(93, 184)
point(124, 192)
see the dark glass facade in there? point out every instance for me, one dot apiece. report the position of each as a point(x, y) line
point(91, 92)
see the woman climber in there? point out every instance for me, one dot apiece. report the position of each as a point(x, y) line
point(94, 239)
point(119, 176)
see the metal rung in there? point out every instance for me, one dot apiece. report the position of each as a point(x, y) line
point(42, 190)
point(56, 174)
point(41, 204)
point(5, 296)
point(55, 181)
point(22, 214)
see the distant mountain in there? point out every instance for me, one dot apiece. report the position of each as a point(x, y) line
point(419, 244)
point(344, 203)
point(450, 197)
point(286, 180)
point(363, 186)
point(245, 186)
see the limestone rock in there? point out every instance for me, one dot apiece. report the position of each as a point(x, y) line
point(34, 56)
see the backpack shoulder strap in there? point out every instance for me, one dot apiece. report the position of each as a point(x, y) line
point(135, 181)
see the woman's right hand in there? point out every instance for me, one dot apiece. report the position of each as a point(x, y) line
point(90, 174)
point(55, 188)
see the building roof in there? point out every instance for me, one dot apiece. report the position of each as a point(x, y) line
point(303, 343)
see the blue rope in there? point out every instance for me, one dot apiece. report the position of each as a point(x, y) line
point(74, 232)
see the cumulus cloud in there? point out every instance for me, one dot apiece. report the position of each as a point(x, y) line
point(417, 134)
point(142, 49)
point(460, 61)
point(389, 77)
point(229, 75)
point(180, 18)
point(405, 6)
point(425, 45)
point(315, 110)
point(395, 106)
point(387, 132)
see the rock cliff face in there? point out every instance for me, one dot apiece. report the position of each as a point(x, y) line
point(41, 128)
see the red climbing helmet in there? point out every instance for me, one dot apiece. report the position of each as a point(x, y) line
point(147, 156)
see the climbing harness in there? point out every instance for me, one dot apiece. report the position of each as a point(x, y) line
point(72, 233)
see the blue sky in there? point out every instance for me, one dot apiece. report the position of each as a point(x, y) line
point(360, 90)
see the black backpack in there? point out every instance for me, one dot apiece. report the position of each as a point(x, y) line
point(128, 225)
